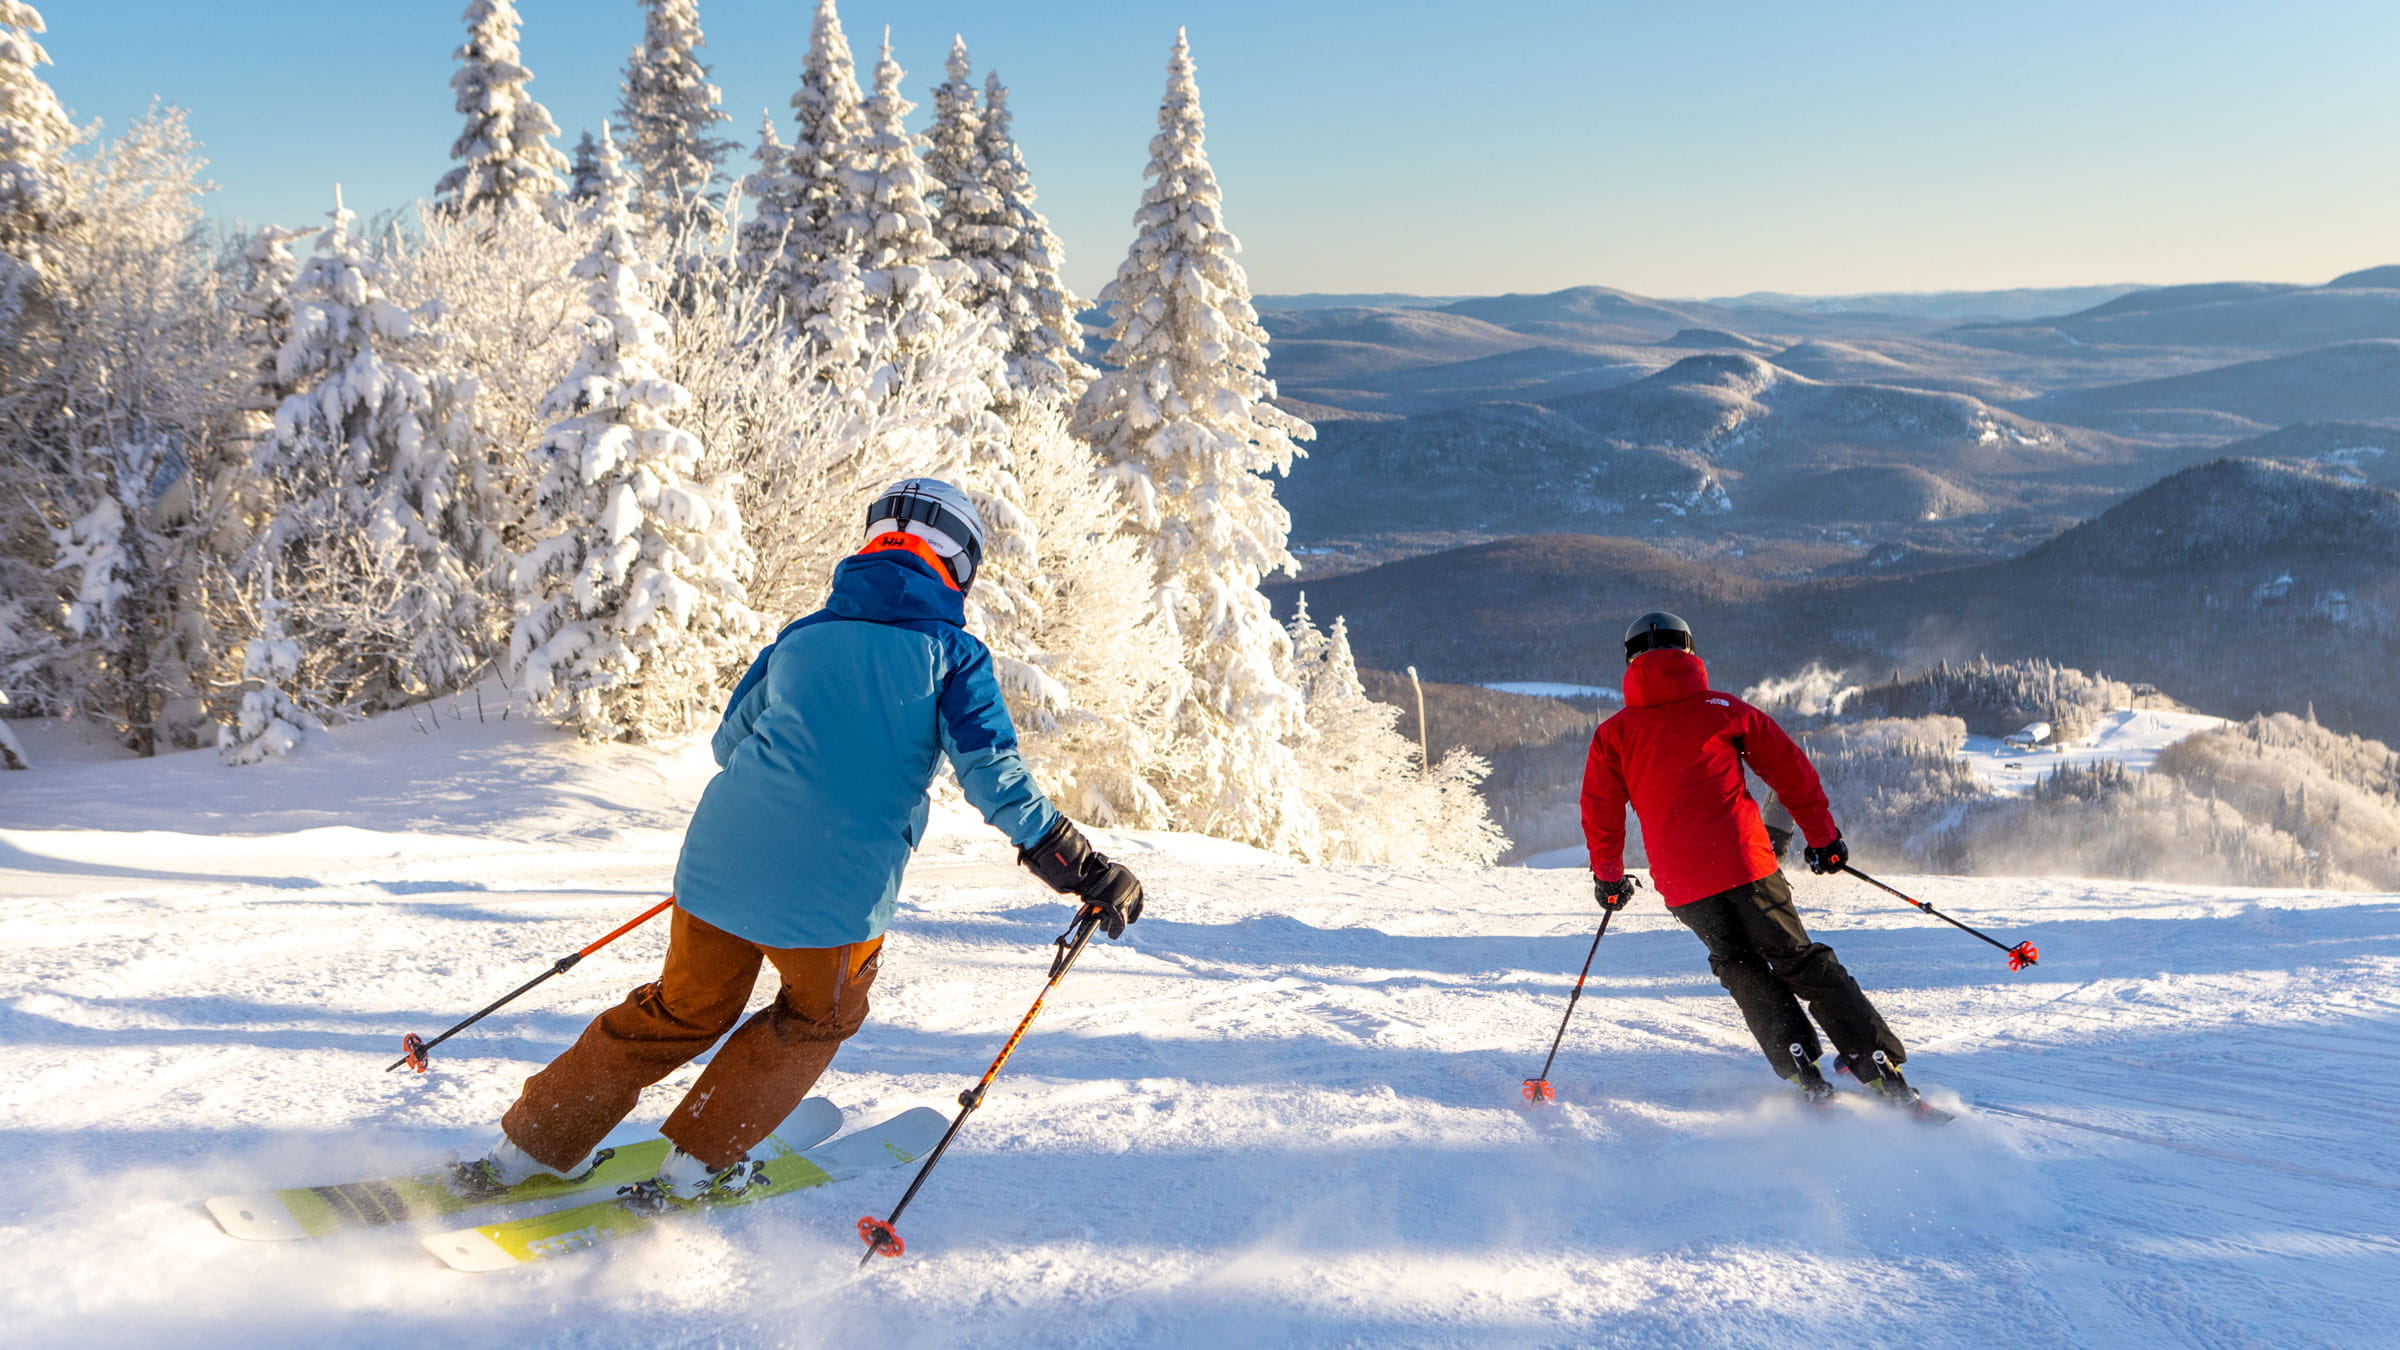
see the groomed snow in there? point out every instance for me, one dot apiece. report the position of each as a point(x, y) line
point(2128, 737)
point(1284, 1111)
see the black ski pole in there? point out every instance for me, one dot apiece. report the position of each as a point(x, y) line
point(414, 1048)
point(2020, 956)
point(879, 1234)
point(1537, 1089)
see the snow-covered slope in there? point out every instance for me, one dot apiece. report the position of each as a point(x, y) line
point(2129, 737)
point(1283, 1112)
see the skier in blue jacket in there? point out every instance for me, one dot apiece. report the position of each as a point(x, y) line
point(795, 854)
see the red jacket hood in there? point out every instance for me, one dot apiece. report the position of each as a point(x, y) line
point(1665, 676)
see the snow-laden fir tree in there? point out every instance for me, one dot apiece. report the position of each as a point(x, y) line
point(268, 723)
point(604, 184)
point(912, 283)
point(759, 239)
point(965, 216)
point(583, 172)
point(494, 294)
point(630, 601)
point(1185, 424)
point(1374, 799)
point(35, 135)
point(793, 228)
point(504, 156)
point(365, 460)
point(1018, 277)
point(984, 215)
point(1096, 697)
point(143, 368)
point(264, 314)
point(669, 108)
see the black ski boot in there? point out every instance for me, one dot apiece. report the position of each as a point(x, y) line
point(1814, 1090)
point(1884, 1078)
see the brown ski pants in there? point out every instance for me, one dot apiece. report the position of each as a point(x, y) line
point(760, 1074)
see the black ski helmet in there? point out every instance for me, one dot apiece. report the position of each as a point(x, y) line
point(1654, 630)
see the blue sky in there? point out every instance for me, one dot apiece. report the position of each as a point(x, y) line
point(1667, 148)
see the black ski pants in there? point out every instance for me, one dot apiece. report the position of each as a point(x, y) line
point(1765, 959)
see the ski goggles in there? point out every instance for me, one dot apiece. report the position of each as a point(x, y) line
point(906, 508)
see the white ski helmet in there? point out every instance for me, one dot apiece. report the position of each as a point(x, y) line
point(937, 513)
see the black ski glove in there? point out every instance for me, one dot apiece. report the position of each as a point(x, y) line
point(1612, 895)
point(1066, 863)
point(1831, 858)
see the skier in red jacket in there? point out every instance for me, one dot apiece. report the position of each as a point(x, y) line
point(1676, 753)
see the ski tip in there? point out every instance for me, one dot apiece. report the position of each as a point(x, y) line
point(469, 1250)
point(255, 1218)
point(811, 1123)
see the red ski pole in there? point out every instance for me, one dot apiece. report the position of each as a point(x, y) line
point(413, 1048)
point(1537, 1089)
point(881, 1237)
point(2020, 956)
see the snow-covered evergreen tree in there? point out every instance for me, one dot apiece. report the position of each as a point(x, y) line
point(1095, 694)
point(143, 368)
point(966, 217)
point(631, 607)
point(805, 202)
point(504, 156)
point(269, 723)
point(985, 218)
point(1017, 260)
point(668, 109)
point(1185, 425)
point(494, 295)
point(1373, 798)
point(583, 172)
point(366, 461)
point(604, 186)
point(264, 309)
point(759, 240)
point(35, 134)
point(911, 281)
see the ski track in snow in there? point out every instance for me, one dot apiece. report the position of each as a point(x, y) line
point(1283, 1112)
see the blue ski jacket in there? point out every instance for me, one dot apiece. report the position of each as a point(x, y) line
point(827, 749)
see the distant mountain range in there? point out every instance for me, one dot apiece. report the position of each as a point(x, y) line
point(2239, 585)
point(2191, 486)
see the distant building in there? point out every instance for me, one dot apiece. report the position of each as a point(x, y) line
point(2035, 734)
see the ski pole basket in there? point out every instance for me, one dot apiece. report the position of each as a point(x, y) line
point(1537, 1088)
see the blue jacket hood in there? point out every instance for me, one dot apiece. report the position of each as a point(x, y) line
point(893, 587)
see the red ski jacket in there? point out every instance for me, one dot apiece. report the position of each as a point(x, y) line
point(1676, 752)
